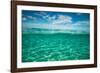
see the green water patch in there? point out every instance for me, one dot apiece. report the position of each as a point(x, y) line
point(55, 47)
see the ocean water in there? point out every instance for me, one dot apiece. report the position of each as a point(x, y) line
point(55, 47)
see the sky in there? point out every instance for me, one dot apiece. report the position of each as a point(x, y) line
point(56, 20)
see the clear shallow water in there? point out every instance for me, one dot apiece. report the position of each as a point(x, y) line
point(55, 47)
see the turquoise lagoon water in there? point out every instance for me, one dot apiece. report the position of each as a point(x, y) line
point(55, 47)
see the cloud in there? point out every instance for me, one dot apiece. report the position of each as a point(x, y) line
point(55, 19)
point(51, 18)
point(28, 18)
point(31, 17)
point(78, 26)
point(63, 19)
point(40, 13)
point(45, 26)
point(58, 19)
point(82, 23)
point(46, 16)
point(24, 18)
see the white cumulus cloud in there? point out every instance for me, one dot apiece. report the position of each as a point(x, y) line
point(24, 18)
point(63, 19)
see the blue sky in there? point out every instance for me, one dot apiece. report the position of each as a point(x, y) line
point(56, 20)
